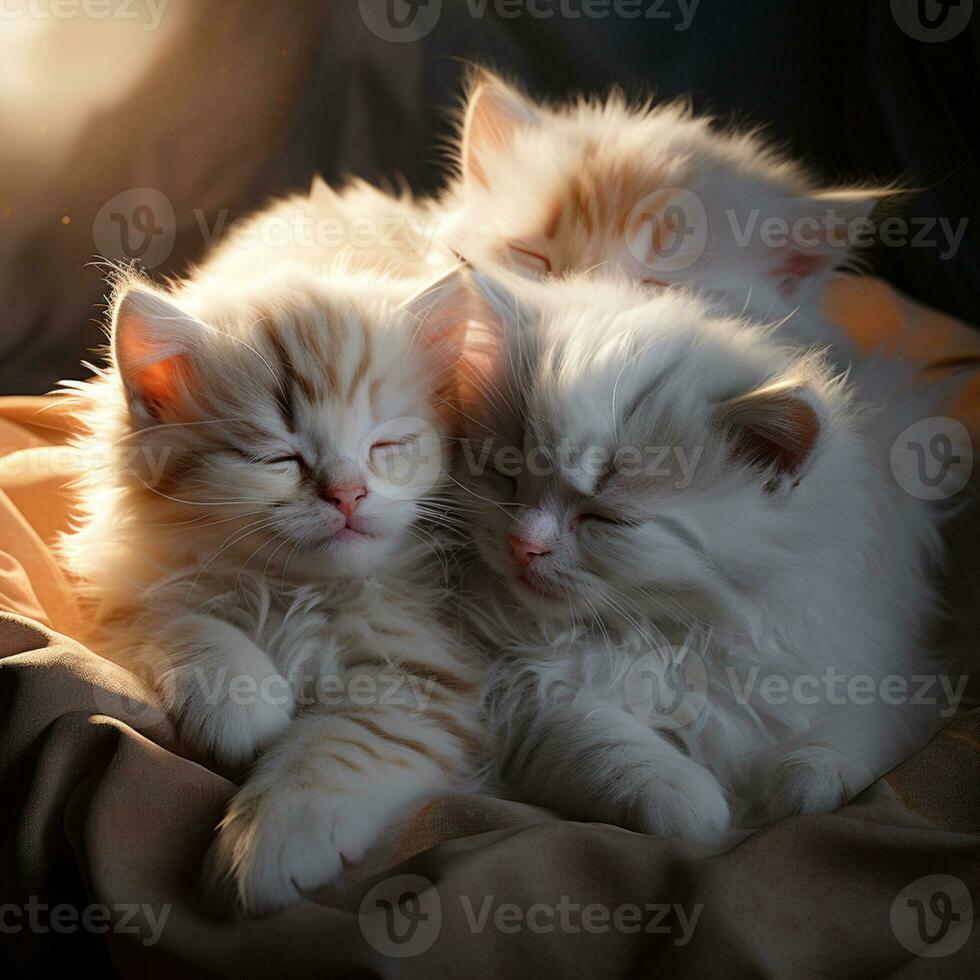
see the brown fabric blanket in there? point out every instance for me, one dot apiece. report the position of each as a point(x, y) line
point(104, 823)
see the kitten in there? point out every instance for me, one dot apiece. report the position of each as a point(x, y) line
point(653, 193)
point(259, 534)
point(675, 512)
point(363, 227)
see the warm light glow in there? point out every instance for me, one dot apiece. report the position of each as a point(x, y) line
point(55, 71)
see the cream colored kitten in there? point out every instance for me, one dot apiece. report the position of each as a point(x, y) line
point(603, 187)
point(361, 226)
point(260, 537)
point(653, 193)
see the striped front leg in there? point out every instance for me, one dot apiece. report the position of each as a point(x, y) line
point(319, 797)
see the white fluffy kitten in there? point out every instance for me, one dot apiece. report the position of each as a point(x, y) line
point(257, 536)
point(674, 507)
point(604, 187)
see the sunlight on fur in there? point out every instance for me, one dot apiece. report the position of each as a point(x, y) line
point(256, 525)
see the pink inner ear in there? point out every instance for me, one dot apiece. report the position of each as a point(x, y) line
point(452, 326)
point(492, 117)
point(795, 267)
point(161, 387)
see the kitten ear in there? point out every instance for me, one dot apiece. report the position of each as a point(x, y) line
point(821, 228)
point(443, 308)
point(457, 323)
point(773, 428)
point(494, 113)
point(152, 345)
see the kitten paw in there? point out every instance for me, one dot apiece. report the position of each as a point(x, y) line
point(681, 801)
point(234, 734)
point(274, 847)
point(224, 694)
point(231, 729)
point(809, 779)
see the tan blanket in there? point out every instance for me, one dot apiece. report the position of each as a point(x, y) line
point(104, 826)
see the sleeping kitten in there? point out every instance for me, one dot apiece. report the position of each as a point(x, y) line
point(261, 541)
point(650, 192)
point(655, 194)
point(677, 516)
point(365, 228)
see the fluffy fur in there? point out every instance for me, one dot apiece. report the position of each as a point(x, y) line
point(600, 186)
point(772, 542)
point(590, 186)
point(235, 416)
point(364, 228)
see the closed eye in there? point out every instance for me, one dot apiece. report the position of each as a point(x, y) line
point(268, 460)
point(389, 444)
point(283, 460)
point(610, 519)
point(529, 259)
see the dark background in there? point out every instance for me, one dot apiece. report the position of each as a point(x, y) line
point(240, 101)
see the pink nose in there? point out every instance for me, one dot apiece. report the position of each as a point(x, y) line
point(526, 551)
point(345, 499)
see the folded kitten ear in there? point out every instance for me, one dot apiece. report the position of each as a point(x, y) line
point(152, 343)
point(773, 428)
point(494, 113)
point(820, 230)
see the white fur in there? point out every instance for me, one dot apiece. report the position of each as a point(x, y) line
point(225, 577)
point(360, 226)
point(563, 182)
point(747, 568)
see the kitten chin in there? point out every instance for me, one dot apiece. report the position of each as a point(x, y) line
point(352, 554)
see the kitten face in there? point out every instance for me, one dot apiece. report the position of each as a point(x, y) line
point(299, 420)
point(625, 450)
point(655, 195)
